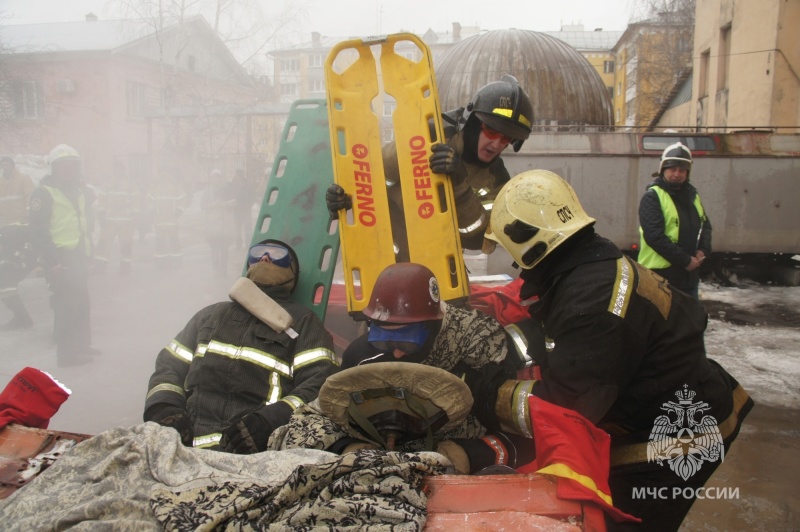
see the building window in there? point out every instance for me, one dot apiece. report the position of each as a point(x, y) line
point(316, 85)
point(135, 95)
point(27, 99)
point(705, 59)
point(388, 108)
point(290, 65)
point(724, 58)
point(608, 67)
point(701, 143)
point(630, 112)
point(315, 60)
point(288, 89)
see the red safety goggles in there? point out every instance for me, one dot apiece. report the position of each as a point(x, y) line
point(491, 134)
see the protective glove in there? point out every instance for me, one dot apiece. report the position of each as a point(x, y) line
point(337, 199)
point(484, 384)
point(176, 418)
point(445, 160)
point(456, 454)
point(247, 436)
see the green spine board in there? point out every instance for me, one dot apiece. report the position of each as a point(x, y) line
point(298, 215)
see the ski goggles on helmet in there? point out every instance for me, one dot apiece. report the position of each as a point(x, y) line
point(491, 134)
point(276, 254)
point(408, 338)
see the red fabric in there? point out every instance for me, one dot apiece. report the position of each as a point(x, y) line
point(563, 437)
point(500, 302)
point(336, 296)
point(31, 398)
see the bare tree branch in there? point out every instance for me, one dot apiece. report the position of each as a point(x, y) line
point(664, 56)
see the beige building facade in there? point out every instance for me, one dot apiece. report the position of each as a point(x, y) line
point(747, 65)
point(652, 57)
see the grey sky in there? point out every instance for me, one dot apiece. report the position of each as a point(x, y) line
point(370, 17)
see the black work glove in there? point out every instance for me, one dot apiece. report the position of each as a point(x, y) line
point(484, 384)
point(445, 160)
point(247, 436)
point(337, 199)
point(176, 418)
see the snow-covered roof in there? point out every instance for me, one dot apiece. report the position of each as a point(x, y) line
point(80, 36)
point(120, 36)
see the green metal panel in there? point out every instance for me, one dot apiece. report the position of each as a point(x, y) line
point(294, 210)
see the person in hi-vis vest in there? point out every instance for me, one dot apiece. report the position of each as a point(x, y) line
point(58, 224)
point(674, 229)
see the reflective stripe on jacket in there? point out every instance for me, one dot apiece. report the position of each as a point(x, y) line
point(226, 363)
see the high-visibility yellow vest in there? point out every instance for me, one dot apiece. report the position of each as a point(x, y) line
point(67, 222)
point(647, 255)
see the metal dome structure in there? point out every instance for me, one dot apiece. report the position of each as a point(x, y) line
point(563, 86)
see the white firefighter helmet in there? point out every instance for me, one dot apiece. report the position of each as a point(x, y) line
point(676, 155)
point(62, 152)
point(533, 214)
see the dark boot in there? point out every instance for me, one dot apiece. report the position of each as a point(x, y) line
point(21, 319)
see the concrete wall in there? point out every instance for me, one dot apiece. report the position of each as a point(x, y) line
point(748, 186)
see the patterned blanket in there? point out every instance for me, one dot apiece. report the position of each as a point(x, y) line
point(143, 479)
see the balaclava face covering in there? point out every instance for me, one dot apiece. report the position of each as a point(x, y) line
point(268, 274)
point(472, 130)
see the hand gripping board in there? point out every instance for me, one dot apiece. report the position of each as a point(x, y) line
point(294, 209)
point(430, 218)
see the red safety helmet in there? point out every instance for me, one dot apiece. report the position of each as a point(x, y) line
point(405, 293)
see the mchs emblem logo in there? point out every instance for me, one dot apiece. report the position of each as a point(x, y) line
point(682, 441)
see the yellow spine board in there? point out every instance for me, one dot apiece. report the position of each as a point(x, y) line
point(366, 241)
point(429, 207)
point(366, 235)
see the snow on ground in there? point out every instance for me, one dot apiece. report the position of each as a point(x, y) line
point(764, 359)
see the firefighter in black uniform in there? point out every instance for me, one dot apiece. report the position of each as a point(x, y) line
point(410, 324)
point(16, 259)
point(229, 379)
point(499, 114)
point(621, 347)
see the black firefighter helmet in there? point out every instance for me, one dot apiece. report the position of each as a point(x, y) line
point(504, 106)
